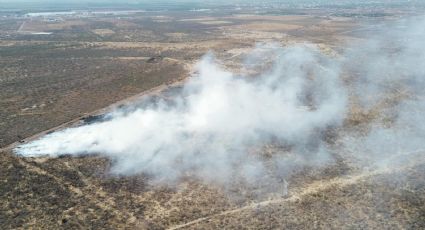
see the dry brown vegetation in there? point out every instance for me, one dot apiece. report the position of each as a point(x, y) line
point(85, 65)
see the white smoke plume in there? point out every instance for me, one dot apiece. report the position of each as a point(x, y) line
point(211, 126)
point(214, 127)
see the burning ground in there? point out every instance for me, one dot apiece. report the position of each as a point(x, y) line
point(307, 132)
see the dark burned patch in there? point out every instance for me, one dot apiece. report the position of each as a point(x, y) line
point(91, 119)
point(172, 92)
point(50, 132)
point(65, 156)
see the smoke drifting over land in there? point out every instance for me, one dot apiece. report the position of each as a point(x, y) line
point(220, 122)
point(389, 86)
point(210, 126)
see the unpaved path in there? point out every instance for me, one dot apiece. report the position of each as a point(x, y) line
point(317, 186)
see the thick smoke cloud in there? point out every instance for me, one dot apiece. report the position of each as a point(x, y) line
point(210, 127)
point(222, 123)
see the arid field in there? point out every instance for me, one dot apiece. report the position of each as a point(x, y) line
point(60, 71)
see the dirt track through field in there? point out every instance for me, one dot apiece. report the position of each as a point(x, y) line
point(318, 186)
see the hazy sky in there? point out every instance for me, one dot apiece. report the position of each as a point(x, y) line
point(174, 4)
point(200, 1)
